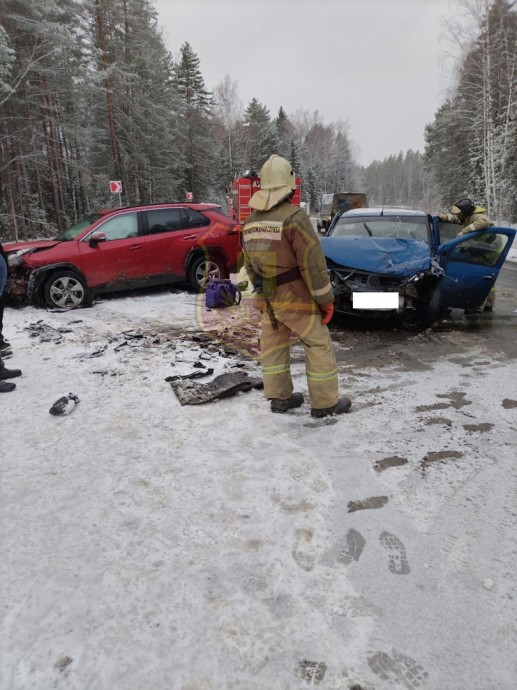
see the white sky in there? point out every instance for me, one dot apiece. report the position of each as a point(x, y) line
point(377, 64)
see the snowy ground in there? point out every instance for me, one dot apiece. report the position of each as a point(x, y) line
point(152, 546)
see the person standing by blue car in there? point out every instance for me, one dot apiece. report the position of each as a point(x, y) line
point(5, 386)
point(285, 263)
point(473, 218)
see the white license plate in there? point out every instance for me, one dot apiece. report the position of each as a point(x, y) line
point(375, 300)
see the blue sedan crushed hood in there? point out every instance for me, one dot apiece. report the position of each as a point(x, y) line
point(396, 257)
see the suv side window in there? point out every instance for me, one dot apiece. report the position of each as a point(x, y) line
point(165, 220)
point(195, 219)
point(120, 227)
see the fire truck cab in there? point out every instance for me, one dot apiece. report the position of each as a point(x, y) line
point(243, 188)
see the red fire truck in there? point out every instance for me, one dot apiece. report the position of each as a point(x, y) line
point(243, 188)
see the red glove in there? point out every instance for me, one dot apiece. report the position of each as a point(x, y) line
point(327, 311)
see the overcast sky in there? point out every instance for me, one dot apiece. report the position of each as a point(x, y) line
point(376, 64)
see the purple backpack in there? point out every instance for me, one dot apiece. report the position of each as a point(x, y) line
point(221, 292)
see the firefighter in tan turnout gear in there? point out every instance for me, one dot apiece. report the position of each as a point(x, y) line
point(285, 263)
point(473, 218)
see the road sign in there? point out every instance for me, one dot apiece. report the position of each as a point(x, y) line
point(189, 196)
point(116, 186)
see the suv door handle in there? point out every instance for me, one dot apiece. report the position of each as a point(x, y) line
point(136, 246)
point(488, 277)
point(190, 237)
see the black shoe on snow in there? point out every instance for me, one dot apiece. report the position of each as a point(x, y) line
point(343, 405)
point(6, 387)
point(9, 373)
point(278, 405)
point(64, 405)
point(4, 347)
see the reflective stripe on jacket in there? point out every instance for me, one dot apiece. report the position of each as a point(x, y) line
point(280, 240)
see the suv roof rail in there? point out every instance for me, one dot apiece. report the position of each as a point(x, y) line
point(155, 203)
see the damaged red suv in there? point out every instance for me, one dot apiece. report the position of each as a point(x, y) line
point(125, 248)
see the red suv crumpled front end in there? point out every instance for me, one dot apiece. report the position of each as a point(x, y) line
point(125, 248)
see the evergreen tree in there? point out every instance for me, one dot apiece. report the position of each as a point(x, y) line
point(309, 190)
point(199, 150)
point(91, 100)
point(294, 157)
point(471, 147)
point(398, 181)
point(7, 60)
point(261, 138)
point(189, 81)
point(89, 93)
point(446, 155)
point(33, 119)
point(284, 132)
point(136, 71)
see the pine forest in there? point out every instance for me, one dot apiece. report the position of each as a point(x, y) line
point(89, 93)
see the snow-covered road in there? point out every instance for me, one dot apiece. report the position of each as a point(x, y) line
point(150, 546)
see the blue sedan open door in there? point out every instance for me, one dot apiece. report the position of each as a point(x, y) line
point(471, 265)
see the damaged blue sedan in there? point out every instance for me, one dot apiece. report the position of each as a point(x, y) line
point(390, 262)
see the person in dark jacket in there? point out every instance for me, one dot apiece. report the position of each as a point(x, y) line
point(5, 386)
point(4, 345)
point(285, 263)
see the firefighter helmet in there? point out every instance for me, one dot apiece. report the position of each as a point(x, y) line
point(464, 207)
point(277, 182)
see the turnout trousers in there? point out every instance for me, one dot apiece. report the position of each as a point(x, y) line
point(298, 320)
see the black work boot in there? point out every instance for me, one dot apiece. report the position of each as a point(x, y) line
point(8, 373)
point(278, 405)
point(5, 386)
point(343, 405)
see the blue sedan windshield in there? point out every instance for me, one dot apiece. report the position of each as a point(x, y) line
point(399, 227)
